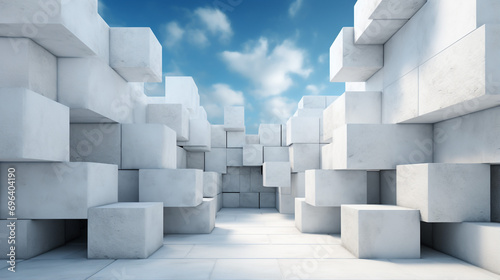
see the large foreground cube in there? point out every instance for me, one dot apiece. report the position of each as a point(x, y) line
point(33, 127)
point(135, 54)
point(125, 230)
point(381, 146)
point(27, 65)
point(380, 231)
point(312, 219)
point(477, 243)
point(446, 193)
point(33, 237)
point(148, 146)
point(335, 187)
point(191, 220)
point(59, 190)
point(277, 174)
point(65, 28)
point(175, 116)
point(350, 62)
point(173, 187)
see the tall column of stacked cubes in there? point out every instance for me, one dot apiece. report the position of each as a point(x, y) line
point(406, 156)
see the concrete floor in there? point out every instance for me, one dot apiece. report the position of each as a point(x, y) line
point(246, 244)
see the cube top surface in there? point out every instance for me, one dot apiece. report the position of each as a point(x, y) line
point(130, 205)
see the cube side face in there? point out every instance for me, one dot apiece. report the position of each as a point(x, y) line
point(339, 148)
point(211, 184)
point(153, 228)
point(413, 188)
point(310, 186)
point(96, 143)
point(270, 135)
point(389, 234)
point(175, 116)
point(102, 184)
point(234, 118)
point(304, 157)
point(43, 191)
point(470, 184)
point(191, 220)
point(42, 70)
point(350, 229)
point(276, 174)
point(253, 155)
point(173, 187)
point(216, 160)
point(363, 107)
point(336, 55)
point(303, 130)
point(219, 137)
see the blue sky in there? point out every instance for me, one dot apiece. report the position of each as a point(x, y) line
point(263, 54)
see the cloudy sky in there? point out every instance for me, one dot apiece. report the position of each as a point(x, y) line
point(263, 54)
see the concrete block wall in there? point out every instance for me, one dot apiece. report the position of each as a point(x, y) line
point(415, 135)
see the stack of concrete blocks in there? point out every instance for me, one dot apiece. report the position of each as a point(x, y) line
point(420, 109)
point(73, 110)
point(239, 157)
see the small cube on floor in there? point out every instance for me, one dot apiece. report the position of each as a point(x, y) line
point(125, 230)
point(381, 231)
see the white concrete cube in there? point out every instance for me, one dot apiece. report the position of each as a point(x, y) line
point(373, 187)
point(332, 188)
point(427, 187)
point(64, 28)
point(392, 9)
point(218, 136)
point(34, 128)
point(236, 139)
point(219, 202)
point(27, 65)
point(249, 200)
point(191, 220)
point(302, 130)
point(195, 160)
point(267, 200)
point(327, 156)
point(216, 160)
point(182, 90)
point(148, 146)
point(283, 136)
point(125, 230)
point(350, 62)
point(234, 118)
point(173, 187)
point(253, 155)
point(34, 237)
point(136, 54)
point(352, 108)
point(276, 154)
point(313, 102)
point(476, 243)
point(175, 116)
point(95, 92)
point(212, 184)
point(234, 157)
point(230, 200)
point(59, 190)
point(270, 135)
point(199, 136)
point(388, 188)
point(381, 147)
point(231, 183)
point(317, 220)
point(304, 157)
point(277, 174)
point(373, 31)
point(381, 231)
point(252, 139)
point(96, 143)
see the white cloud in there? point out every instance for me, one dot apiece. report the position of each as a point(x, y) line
point(197, 38)
point(314, 89)
point(270, 71)
point(278, 110)
point(215, 21)
point(174, 33)
point(295, 7)
point(221, 95)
